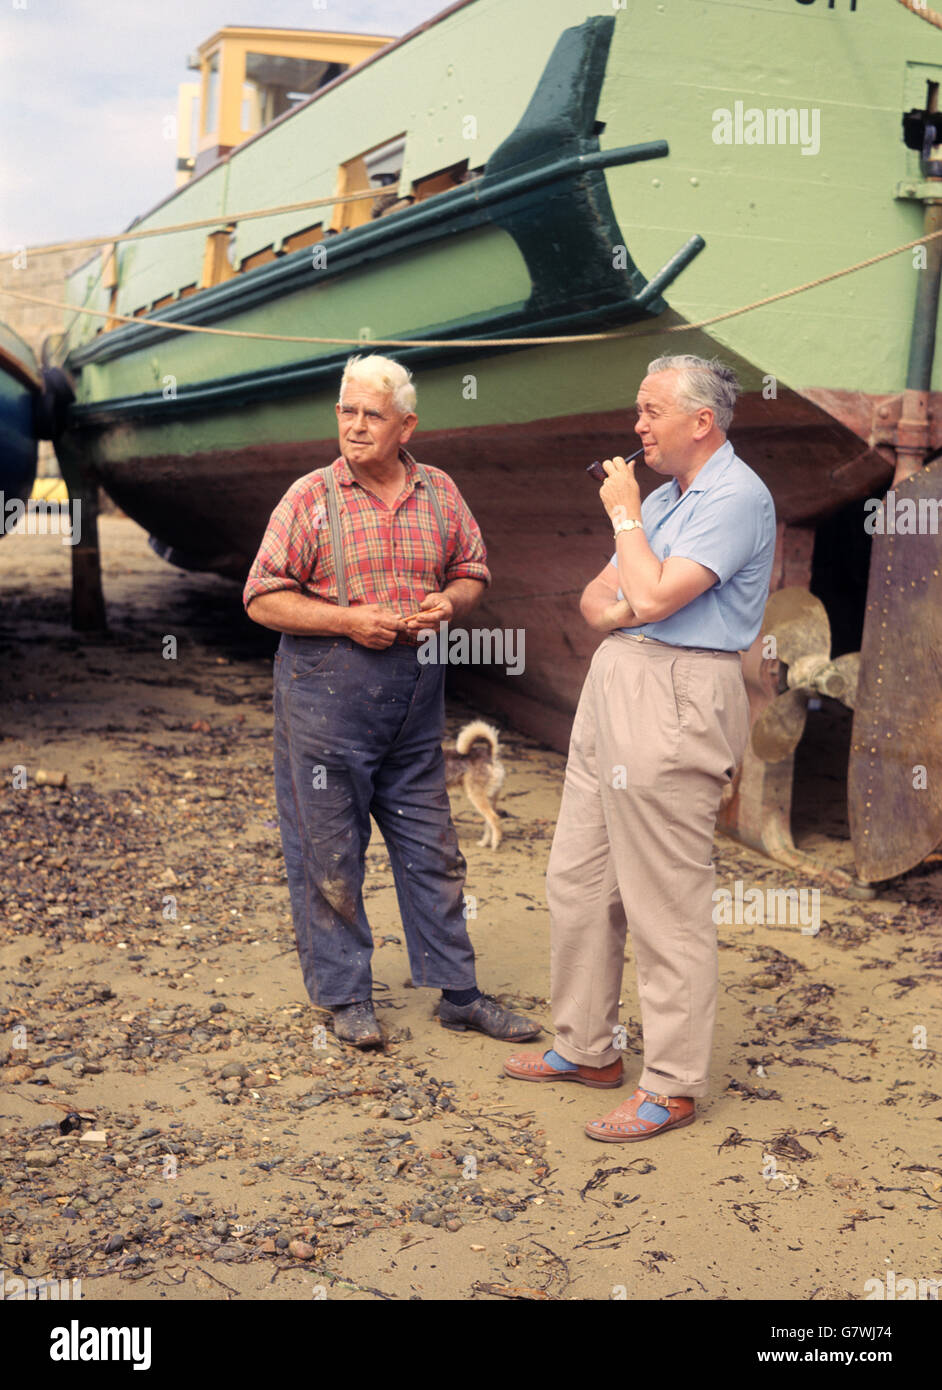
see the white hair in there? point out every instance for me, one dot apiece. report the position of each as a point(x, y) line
point(703, 382)
point(382, 374)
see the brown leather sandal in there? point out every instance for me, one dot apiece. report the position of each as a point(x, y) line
point(623, 1125)
point(530, 1066)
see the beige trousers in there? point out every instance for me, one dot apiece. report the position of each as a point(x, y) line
point(657, 736)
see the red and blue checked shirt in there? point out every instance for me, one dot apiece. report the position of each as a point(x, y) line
point(393, 555)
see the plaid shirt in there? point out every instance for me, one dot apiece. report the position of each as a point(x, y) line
point(393, 555)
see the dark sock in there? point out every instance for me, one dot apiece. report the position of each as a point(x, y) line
point(460, 997)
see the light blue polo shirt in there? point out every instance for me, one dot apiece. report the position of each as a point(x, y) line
point(726, 521)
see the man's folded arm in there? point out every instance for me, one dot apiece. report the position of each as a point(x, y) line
point(719, 540)
point(658, 589)
point(601, 607)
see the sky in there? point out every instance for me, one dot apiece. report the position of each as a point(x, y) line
point(86, 87)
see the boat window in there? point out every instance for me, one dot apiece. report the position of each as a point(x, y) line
point(377, 168)
point(275, 83)
point(440, 181)
point(384, 165)
point(211, 104)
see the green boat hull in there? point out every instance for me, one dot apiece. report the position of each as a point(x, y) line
point(640, 175)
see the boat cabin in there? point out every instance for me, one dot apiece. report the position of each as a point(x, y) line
point(248, 78)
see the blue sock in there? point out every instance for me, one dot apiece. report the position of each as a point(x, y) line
point(461, 997)
point(553, 1059)
point(647, 1110)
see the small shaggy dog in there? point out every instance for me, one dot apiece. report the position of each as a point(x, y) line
point(480, 771)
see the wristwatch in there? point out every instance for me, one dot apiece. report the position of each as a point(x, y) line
point(628, 526)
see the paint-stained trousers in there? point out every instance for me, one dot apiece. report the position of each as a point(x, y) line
point(359, 732)
point(657, 736)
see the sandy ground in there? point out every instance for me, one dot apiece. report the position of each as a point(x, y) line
point(312, 1170)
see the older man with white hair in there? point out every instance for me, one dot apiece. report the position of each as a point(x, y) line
point(661, 725)
point(358, 560)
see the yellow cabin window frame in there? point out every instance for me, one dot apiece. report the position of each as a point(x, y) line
point(377, 169)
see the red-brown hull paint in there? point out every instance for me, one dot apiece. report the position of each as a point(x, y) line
point(545, 529)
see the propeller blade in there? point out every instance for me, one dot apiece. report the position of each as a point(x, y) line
point(894, 780)
point(799, 623)
point(777, 731)
point(842, 678)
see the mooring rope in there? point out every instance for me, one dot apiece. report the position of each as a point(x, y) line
point(221, 220)
point(478, 342)
point(923, 11)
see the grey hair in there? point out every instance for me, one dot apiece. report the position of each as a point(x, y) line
point(382, 374)
point(703, 382)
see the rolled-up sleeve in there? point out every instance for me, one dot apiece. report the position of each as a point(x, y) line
point(288, 552)
point(467, 557)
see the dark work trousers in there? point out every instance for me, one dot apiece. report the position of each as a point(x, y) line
point(359, 731)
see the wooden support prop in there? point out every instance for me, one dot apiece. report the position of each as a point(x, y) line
point(88, 600)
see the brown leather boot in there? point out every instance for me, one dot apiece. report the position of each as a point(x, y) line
point(487, 1016)
point(356, 1023)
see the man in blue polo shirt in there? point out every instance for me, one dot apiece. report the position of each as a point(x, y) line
point(661, 726)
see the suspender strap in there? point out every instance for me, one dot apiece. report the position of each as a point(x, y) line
point(336, 546)
point(437, 509)
point(333, 522)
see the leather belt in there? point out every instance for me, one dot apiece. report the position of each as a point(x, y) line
point(710, 651)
